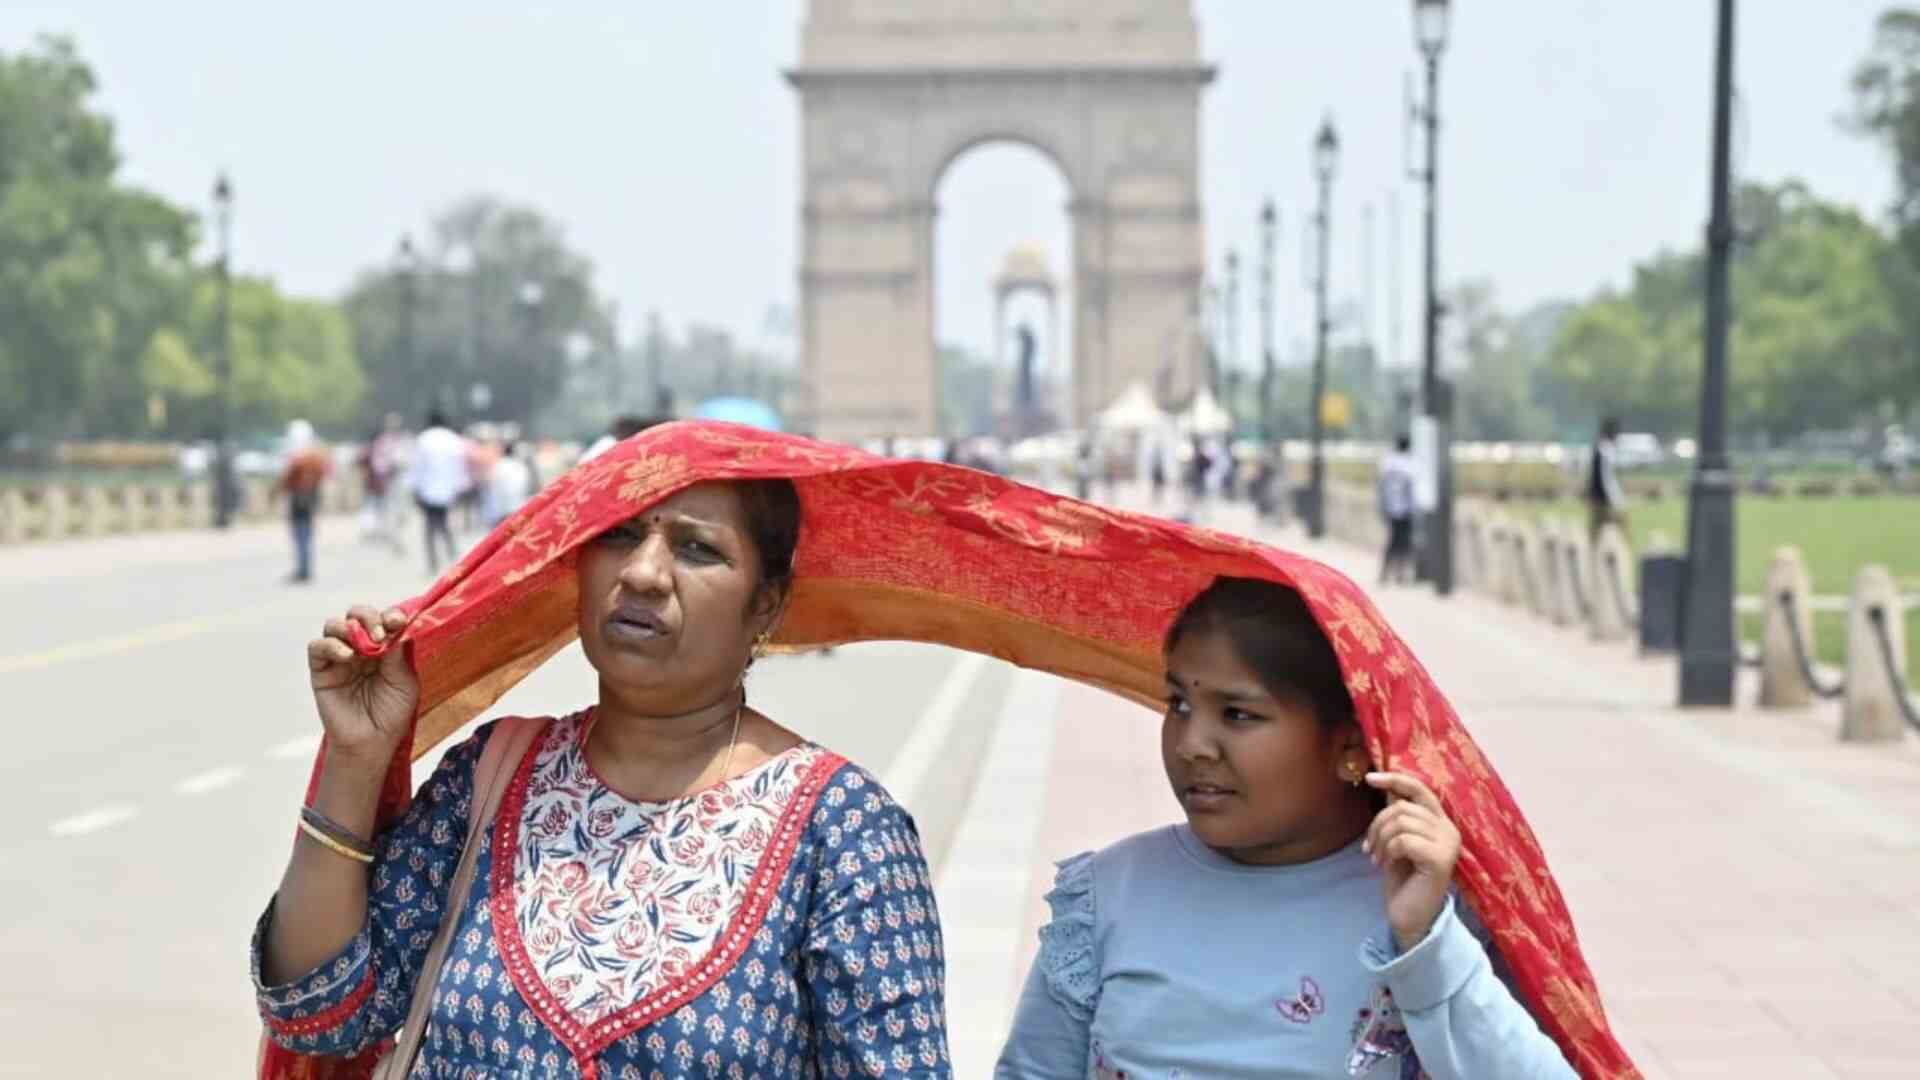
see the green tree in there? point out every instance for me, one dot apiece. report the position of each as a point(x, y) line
point(499, 300)
point(290, 358)
point(1886, 94)
point(1816, 338)
point(90, 269)
point(1494, 393)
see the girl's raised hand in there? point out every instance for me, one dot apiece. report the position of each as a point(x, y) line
point(1415, 846)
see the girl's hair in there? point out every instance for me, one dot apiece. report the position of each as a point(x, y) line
point(1276, 636)
point(773, 524)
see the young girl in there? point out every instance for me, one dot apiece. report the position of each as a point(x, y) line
point(1301, 922)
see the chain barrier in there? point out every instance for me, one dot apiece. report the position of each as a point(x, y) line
point(1877, 616)
point(1800, 653)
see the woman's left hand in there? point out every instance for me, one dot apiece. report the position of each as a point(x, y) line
point(1415, 846)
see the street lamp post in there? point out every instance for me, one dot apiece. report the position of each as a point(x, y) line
point(1430, 32)
point(1268, 225)
point(1231, 354)
point(407, 262)
point(1326, 154)
point(224, 493)
point(1707, 657)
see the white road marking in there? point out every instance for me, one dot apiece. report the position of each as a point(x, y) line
point(909, 768)
point(211, 780)
point(293, 749)
point(983, 887)
point(93, 820)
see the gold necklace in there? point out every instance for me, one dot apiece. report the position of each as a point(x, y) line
point(726, 767)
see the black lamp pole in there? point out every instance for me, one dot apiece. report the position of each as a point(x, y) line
point(1326, 154)
point(1706, 612)
point(1231, 354)
point(1268, 224)
point(409, 267)
point(224, 494)
point(1430, 32)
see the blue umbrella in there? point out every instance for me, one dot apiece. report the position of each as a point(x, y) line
point(739, 410)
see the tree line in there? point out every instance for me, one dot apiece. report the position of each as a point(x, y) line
point(110, 314)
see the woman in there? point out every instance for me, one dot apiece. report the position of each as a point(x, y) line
point(919, 551)
point(674, 882)
point(1333, 943)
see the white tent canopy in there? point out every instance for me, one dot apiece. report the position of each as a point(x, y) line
point(1133, 410)
point(1205, 416)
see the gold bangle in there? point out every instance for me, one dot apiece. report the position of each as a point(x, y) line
point(333, 845)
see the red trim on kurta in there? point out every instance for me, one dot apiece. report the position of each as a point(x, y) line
point(586, 1042)
point(330, 1018)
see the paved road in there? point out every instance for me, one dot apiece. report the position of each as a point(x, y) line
point(160, 732)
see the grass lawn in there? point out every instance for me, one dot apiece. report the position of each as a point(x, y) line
point(1836, 537)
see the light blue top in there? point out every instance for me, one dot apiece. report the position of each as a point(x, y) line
point(1166, 959)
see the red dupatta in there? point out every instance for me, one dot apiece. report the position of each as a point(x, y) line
point(916, 551)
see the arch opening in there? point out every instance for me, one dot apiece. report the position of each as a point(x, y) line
point(1002, 274)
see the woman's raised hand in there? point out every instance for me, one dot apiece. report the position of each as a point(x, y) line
point(366, 704)
point(1415, 846)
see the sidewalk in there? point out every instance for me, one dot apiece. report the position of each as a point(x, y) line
point(1746, 887)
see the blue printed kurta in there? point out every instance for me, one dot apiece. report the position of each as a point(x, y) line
point(779, 924)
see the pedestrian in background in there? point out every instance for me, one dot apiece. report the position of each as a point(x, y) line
point(1395, 493)
point(306, 469)
point(510, 485)
point(383, 464)
point(438, 477)
point(1606, 503)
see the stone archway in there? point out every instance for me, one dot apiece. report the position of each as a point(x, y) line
point(891, 93)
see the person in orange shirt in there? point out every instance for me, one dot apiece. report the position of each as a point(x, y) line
point(307, 467)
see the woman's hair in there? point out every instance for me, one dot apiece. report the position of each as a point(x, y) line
point(773, 524)
point(1274, 634)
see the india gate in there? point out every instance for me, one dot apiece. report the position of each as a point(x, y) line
point(893, 91)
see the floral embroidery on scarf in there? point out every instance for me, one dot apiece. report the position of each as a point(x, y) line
point(1379, 1034)
point(616, 898)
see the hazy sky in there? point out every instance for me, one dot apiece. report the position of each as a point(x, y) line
point(662, 136)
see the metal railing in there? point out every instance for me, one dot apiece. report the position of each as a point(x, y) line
point(1803, 655)
point(1877, 618)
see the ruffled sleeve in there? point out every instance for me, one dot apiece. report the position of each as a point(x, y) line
point(1052, 1026)
point(1068, 957)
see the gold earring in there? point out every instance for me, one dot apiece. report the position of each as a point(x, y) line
point(1356, 771)
point(760, 643)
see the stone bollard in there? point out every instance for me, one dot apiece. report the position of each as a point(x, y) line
point(1783, 684)
point(197, 510)
point(1576, 559)
point(1871, 712)
point(1466, 563)
point(1506, 576)
point(56, 520)
point(1526, 565)
point(13, 516)
point(256, 499)
point(1607, 584)
point(96, 513)
point(173, 507)
point(1473, 552)
point(133, 509)
point(1553, 573)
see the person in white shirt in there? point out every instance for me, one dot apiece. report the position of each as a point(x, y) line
point(511, 484)
point(1396, 506)
point(438, 476)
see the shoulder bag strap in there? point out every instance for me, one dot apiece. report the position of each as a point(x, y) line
point(498, 758)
